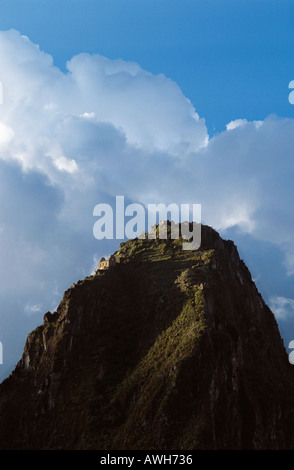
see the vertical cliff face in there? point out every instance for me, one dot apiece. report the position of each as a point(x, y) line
point(167, 349)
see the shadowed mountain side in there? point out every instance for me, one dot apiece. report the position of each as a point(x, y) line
point(164, 349)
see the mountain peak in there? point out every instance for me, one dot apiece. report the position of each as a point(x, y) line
point(164, 349)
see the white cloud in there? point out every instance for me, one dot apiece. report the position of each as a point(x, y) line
point(6, 135)
point(31, 309)
point(240, 123)
point(88, 115)
point(236, 123)
point(108, 125)
point(40, 102)
point(64, 164)
point(282, 307)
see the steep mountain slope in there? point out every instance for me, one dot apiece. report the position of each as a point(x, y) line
point(168, 349)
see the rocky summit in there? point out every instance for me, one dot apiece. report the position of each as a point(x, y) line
point(160, 349)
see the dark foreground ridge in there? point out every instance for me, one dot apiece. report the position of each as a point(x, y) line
point(164, 349)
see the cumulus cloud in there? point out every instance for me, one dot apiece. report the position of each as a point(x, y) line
point(69, 141)
point(41, 102)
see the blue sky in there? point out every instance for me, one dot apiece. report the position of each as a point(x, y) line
point(232, 59)
point(159, 100)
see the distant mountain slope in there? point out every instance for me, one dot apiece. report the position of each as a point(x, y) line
point(167, 349)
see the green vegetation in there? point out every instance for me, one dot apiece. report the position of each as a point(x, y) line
point(149, 385)
point(166, 349)
point(173, 345)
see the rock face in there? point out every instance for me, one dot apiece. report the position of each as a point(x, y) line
point(169, 349)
